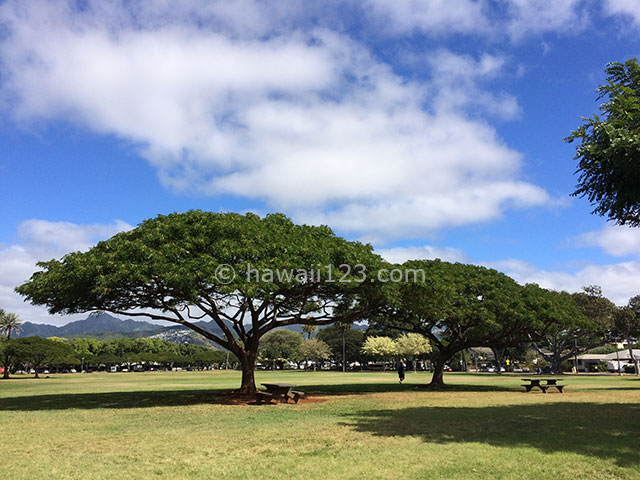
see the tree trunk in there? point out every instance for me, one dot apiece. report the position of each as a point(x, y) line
point(556, 363)
point(5, 374)
point(438, 371)
point(631, 359)
point(498, 355)
point(344, 351)
point(248, 365)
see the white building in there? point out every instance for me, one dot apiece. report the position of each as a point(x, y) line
point(589, 361)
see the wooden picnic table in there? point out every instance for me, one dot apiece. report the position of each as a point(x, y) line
point(282, 392)
point(537, 382)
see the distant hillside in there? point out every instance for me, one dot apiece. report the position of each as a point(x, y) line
point(98, 323)
point(103, 326)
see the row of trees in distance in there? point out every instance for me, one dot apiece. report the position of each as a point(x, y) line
point(282, 346)
point(35, 353)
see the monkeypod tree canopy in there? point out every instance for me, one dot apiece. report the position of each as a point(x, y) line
point(459, 306)
point(246, 273)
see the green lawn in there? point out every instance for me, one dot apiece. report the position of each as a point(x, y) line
point(171, 425)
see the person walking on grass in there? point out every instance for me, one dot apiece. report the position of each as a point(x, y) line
point(401, 371)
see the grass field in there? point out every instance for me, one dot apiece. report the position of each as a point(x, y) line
point(171, 425)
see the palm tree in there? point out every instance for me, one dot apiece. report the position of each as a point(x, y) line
point(309, 330)
point(9, 322)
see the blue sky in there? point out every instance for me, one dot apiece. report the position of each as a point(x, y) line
point(430, 129)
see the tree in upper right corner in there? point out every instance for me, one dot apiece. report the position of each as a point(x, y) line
point(609, 153)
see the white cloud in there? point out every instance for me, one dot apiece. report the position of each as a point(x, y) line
point(618, 241)
point(41, 240)
point(535, 17)
point(516, 19)
point(629, 8)
point(309, 122)
point(65, 237)
point(425, 252)
point(430, 16)
point(458, 79)
point(619, 281)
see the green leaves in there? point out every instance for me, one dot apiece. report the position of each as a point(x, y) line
point(609, 152)
point(314, 349)
point(175, 260)
point(380, 347)
point(460, 306)
point(413, 344)
point(281, 345)
point(9, 323)
point(38, 351)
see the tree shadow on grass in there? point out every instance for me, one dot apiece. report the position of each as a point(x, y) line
point(366, 388)
point(139, 399)
point(169, 398)
point(607, 431)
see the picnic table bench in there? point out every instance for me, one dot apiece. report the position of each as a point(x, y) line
point(537, 382)
point(281, 392)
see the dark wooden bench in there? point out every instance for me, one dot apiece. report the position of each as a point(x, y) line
point(559, 387)
point(280, 392)
point(536, 383)
point(263, 398)
point(293, 395)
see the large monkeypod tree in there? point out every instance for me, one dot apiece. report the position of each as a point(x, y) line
point(460, 306)
point(574, 324)
point(244, 274)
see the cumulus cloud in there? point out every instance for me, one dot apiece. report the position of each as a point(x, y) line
point(309, 122)
point(431, 16)
point(458, 81)
point(41, 240)
point(515, 19)
point(619, 281)
point(424, 252)
point(618, 241)
point(625, 8)
point(533, 17)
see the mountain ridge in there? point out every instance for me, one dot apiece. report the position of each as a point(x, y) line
point(103, 326)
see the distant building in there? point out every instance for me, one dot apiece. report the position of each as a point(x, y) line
point(589, 362)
